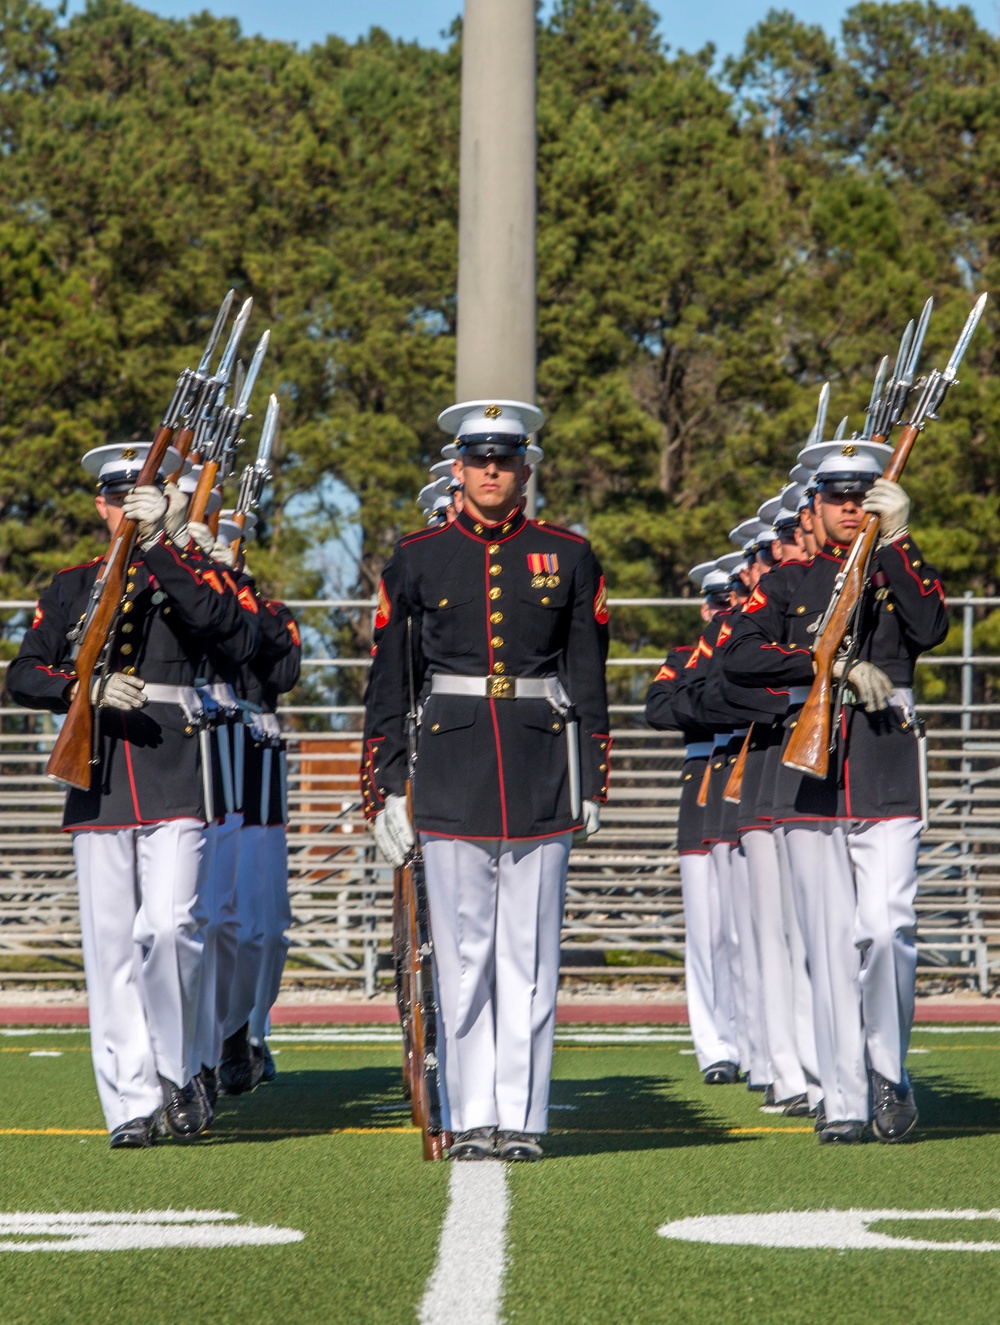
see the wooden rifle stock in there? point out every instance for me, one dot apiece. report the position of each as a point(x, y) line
point(416, 1000)
point(70, 760)
point(705, 780)
point(199, 499)
point(182, 444)
point(734, 787)
point(808, 750)
point(240, 521)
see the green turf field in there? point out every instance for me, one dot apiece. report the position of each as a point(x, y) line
point(326, 1154)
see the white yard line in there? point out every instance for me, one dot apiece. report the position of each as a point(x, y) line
point(466, 1284)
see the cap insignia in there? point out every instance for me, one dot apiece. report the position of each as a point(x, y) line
point(129, 453)
point(848, 450)
point(492, 411)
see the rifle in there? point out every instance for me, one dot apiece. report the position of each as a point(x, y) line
point(255, 476)
point(808, 750)
point(185, 434)
point(706, 779)
point(414, 961)
point(733, 791)
point(221, 436)
point(73, 755)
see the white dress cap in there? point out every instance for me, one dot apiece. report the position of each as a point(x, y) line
point(716, 581)
point(747, 531)
point(730, 562)
point(228, 529)
point(429, 494)
point(120, 463)
point(511, 418)
point(189, 481)
point(846, 457)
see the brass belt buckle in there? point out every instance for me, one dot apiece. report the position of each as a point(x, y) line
point(500, 687)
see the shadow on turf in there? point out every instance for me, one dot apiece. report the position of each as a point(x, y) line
point(600, 1115)
point(956, 1109)
point(613, 1114)
point(316, 1101)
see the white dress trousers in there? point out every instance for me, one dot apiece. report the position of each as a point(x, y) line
point(731, 866)
point(275, 917)
point(496, 917)
point(771, 934)
point(802, 995)
point(142, 952)
point(856, 882)
point(707, 978)
point(218, 920)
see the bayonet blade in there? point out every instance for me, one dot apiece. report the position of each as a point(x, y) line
point(904, 353)
point(239, 377)
point(226, 362)
point(821, 409)
point(957, 354)
point(841, 432)
point(910, 371)
point(252, 371)
point(213, 340)
point(268, 432)
point(876, 398)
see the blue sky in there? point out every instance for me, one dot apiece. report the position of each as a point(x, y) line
point(684, 25)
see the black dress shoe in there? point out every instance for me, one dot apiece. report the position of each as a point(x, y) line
point(209, 1079)
point(207, 1096)
point(263, 1063)
point(237, 1073)
point(722, 1074)
point(184, 1114)
point(137, 1134)
point(850, 1132)
point(796, 1106)
point(518, 1147)
point(894, 1110)
point(820, 1115)
point(477, 1143)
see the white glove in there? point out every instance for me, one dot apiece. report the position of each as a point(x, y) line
point(890, 503)
point(203, 536)
point(394, 832)
point(223, 553)
point(120, 691)
point(175, 521)
point(869, 683)
point(591, 823)
point(147, 506)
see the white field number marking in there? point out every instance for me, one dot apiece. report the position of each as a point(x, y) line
point(841, 1230)
point(146, 1230)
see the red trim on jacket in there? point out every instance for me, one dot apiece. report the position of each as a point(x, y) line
point(503, 795)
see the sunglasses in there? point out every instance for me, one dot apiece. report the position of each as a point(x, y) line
point(503, 462)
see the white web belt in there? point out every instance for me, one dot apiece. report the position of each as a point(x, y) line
point(502, 687)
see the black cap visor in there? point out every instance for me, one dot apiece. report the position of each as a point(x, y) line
point(487, 444)
point(846, 484)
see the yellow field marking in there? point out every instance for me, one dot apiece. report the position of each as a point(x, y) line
point(958, 1048)
point(53, 1131)
point(28, 1049)
point(291, 1132)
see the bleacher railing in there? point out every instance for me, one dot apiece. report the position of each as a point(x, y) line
point(624, 917)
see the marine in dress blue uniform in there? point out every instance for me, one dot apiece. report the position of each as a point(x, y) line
point(707, 916)
point(507, 643)
point(138, 832)
point(853, 837)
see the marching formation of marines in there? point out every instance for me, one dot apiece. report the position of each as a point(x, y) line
point(177, 802)
point(799, 865)
point(485, 756)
